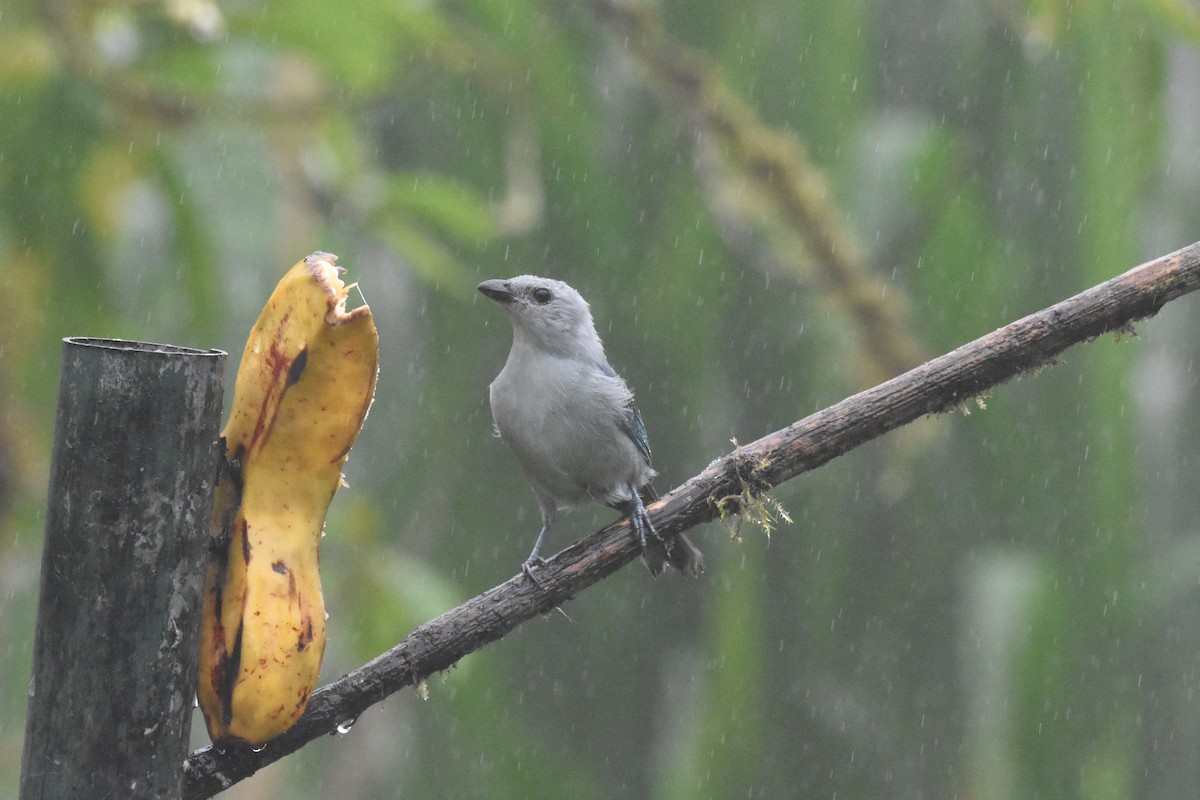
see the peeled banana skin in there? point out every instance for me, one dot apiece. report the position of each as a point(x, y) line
point(305, 382)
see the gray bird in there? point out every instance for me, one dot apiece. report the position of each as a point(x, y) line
point(570, 418)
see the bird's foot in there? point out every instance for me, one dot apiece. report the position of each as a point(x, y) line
point(644, 529)
point(531, 563)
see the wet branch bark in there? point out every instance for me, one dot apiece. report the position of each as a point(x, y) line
point(725, 485)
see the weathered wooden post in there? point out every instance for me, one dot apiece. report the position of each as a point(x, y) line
point(115, 653)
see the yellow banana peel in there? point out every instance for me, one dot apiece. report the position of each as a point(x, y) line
point(306, 380)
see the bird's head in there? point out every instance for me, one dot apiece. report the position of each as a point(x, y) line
point(546, 313)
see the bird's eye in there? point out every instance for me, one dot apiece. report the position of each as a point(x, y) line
point(542, 295)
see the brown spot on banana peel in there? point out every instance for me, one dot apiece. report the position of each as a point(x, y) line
point(226, 665)
point(230, 665)
point(220, 671)
point(245, 543)
point(306, 634)
point(278, 363)
point(292, 593)
point(296, 369)
point(302, 701)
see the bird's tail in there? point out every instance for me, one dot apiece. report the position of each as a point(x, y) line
point(678, 551)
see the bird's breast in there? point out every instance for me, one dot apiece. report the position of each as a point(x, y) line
point(564, 432)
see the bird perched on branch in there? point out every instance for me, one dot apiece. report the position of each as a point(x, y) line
point(571, 420)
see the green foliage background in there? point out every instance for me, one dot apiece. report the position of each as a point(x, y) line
point(769, 205)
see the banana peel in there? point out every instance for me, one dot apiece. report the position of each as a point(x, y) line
point(304, 385)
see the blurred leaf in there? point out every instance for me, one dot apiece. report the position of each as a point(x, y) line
point(452, 208)
point(429, 258)
point(731, 743)
point(29, 56)
point(1002, 590)
point(1180, 17)
point(359, 44)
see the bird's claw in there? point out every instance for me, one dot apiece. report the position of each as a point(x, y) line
point(528, 567)
point(641, 524)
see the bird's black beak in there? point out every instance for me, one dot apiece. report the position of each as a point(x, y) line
point(497, 290)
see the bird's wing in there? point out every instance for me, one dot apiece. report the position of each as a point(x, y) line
point(629, 420)
point(631, 423)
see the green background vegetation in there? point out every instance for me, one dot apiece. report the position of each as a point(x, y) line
point(770, 205)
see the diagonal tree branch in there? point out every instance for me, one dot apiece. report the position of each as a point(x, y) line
point(726, 486)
